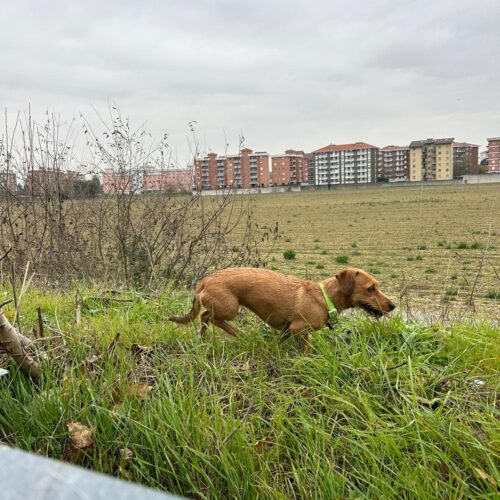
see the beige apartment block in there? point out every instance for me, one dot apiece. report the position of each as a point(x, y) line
point(431, 160)
point(415, 164)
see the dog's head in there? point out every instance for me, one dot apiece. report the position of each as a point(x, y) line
point(362, 290)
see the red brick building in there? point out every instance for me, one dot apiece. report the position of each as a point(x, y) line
point(394, 163)
point(47, 181)
point(289, 169)
point(116, 182)
point(167, 180)
point(8, 182)
point(494, 154)
point(246, 170)
point(465, 159)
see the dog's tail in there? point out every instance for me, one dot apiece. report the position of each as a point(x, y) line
point(191, 315)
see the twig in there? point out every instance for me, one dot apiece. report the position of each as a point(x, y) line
point(397, 366)
point(4, 303)
point(6, 254)
point(78, 311)
point(40, 322)
point(242, 421)
point(114, 343)
point(14, 293)
point(106, 300)
point(24, 287)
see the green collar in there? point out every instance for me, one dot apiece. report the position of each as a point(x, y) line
point(332, 310)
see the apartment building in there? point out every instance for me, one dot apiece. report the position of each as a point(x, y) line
point(345, 164)
point(394, 163)
point(147, 180)
point(494, 155)
point(465, 159)
point(154, 180)
point(48, 181)
point(431, 159)
point(8, 182)
point(245, 170)
point(309, 163)
point(292, 168)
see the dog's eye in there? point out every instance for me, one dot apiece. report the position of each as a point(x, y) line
point(371, 288)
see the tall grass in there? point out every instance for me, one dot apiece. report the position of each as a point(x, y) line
point(379, 409)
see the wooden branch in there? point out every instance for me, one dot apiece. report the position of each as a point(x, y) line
point(12, 343)
point(40, 322)
point(6, 254)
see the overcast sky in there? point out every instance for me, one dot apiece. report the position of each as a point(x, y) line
point(285, 74)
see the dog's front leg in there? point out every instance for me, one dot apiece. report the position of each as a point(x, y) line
point(302, 334)
point(285, 332)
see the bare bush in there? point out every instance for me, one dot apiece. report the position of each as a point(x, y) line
point(121, 236)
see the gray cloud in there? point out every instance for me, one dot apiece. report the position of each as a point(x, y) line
point(288, 74)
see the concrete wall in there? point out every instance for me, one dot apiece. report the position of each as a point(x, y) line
point(481, 179)
point(467, 179)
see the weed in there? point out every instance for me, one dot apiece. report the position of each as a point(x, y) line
point(342, 259)
point(289, 254)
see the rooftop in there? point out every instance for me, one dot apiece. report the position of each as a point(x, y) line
point(422, 142)
point(344, 147)
point(464, 145)
point(395, 148)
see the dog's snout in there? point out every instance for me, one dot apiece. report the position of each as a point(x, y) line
point(392, 306)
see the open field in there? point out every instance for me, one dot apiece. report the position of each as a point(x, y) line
point(430, 247)
point(380, 409)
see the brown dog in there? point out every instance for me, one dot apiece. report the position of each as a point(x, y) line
point(286, 303)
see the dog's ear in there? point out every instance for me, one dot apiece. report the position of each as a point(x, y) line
point(346, 280)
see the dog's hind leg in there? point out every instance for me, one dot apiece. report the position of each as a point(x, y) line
point(206, 318)
point(226, 327)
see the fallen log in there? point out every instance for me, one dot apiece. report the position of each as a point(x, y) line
point(12, 343)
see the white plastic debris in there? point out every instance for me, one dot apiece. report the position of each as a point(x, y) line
point(3, 372)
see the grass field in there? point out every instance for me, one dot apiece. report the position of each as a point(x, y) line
point(400, 408)
point(430, 247)
point(380, 409)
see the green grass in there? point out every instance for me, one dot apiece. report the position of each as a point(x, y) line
point(342, 259)
point(289, 254)
point(254, 417)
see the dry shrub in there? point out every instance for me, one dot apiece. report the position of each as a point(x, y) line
point(68, 232)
